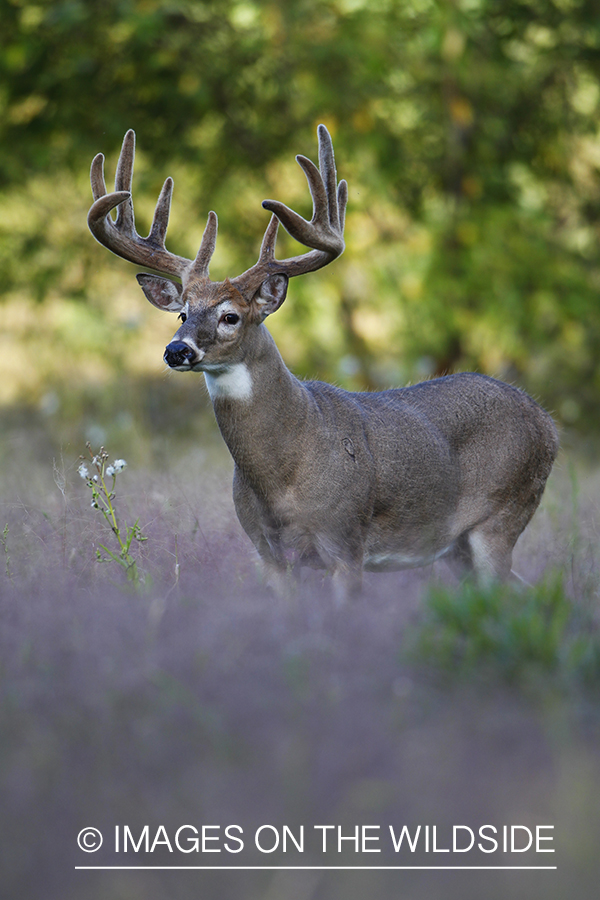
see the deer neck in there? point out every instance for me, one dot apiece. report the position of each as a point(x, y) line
point(261, 409)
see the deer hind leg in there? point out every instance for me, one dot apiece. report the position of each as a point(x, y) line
point(491, 554)
point(491, 543)
point(485, 552)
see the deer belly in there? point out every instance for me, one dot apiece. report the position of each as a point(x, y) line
point(390, 560)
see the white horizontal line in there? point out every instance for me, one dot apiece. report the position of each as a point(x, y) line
point(316, 868)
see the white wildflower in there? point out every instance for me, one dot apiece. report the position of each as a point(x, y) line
point(94, 504)
point(95, 478)
point(83, 471)
point(110, 471)
point(119, 465)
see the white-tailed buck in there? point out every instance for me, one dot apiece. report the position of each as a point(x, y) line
point(451, 467)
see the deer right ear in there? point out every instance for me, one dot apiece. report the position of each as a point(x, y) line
point(161, 292)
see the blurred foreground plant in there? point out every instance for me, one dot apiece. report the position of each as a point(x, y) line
point(535, 638)
point(103, 497)
point(3, 541)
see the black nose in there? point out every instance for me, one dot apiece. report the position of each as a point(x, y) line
point(178, 354)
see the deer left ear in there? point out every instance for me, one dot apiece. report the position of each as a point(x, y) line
point(271, 294)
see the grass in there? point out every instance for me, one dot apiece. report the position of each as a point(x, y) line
point(536, 638)
point(203, 700)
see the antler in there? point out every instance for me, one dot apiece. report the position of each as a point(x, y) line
point(324, 233)
point(122, 238)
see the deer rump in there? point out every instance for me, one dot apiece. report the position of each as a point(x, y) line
point(455, 467)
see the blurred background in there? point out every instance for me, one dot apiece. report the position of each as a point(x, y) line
point(468, 133)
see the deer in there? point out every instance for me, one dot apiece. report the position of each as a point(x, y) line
point(453, 467)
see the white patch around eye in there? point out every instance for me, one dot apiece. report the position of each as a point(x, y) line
point(225, 308)
point(232, 382)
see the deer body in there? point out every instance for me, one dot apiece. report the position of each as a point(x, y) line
point(389, 480)
point(323, 477)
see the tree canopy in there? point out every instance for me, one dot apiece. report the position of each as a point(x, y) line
point(467, 129)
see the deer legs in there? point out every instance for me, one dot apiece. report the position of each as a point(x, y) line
point(281, 575)
point(283, 581)
point(485, 553)
point(347, 583)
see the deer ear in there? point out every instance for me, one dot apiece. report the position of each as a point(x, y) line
point(271, 294)
point(161, 292)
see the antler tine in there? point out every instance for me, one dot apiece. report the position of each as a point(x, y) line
point(160, 221)
point(342, 198)
point(293, 223)
point(120, 236)
point(124, 172)
point(318, 191)
point(123, 179)
point(329, 174)
point(207, 247)
point(267, 248)
point(97, 176)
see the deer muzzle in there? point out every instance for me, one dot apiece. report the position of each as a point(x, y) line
point(179, 355)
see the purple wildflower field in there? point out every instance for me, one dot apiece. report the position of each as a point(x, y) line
point(203, 700)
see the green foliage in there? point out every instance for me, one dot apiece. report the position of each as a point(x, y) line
point(468, 133)
point(536, 638)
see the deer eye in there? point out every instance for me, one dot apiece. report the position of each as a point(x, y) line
point(182, 316)
point(230, 318)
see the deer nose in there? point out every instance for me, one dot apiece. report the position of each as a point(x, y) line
point(178, 354)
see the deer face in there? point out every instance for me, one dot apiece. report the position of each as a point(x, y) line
point(218, 319)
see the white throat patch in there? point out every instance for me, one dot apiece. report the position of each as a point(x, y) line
point(232, 383)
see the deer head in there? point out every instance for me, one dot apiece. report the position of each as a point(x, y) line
point(217, 316)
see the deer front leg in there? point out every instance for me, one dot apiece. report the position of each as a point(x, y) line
point(279, 578)
point(344, 559)
point(347, 583)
